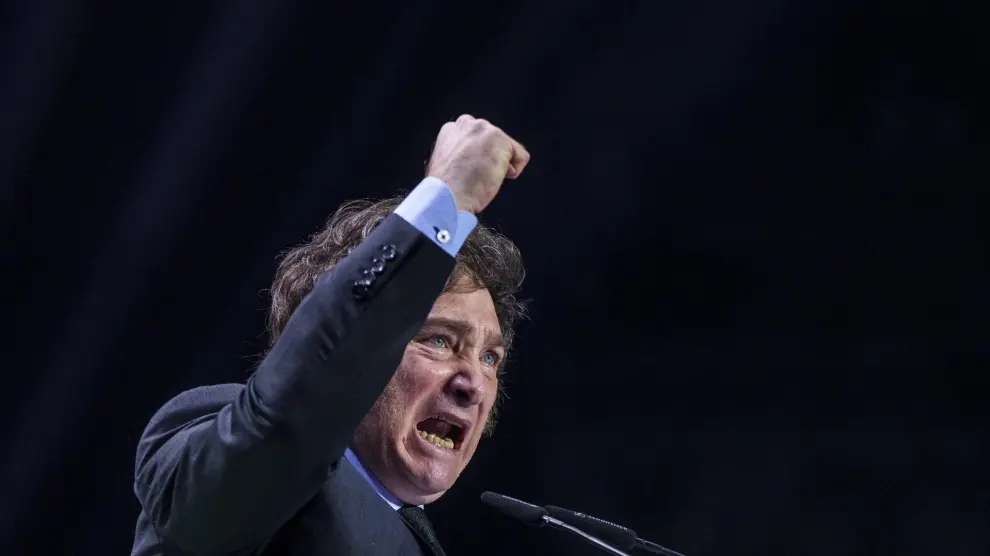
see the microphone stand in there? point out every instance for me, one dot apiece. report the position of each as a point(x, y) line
point(558, 524)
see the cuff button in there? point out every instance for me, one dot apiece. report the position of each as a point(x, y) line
point(388, 251)
point(443, 236)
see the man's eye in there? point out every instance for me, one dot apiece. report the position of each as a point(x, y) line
point(490, 358)
point(439, 342)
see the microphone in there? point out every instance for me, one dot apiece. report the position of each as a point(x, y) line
point(602, 533)
point(523, 511)
point(539, 517)
point(622, 537)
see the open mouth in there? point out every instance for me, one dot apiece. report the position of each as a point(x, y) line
point(441, 432)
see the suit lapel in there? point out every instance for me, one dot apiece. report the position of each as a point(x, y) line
point(435, 550)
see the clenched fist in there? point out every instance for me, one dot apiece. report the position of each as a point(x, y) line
point(473, 157)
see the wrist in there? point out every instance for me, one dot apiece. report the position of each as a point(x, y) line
point(460, 200)
point(463, 206)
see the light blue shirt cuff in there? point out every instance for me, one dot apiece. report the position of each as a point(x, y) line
point(432, 210)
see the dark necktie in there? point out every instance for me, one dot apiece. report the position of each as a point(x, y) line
point(416, 519)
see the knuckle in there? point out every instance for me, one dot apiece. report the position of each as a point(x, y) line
point(499, 154)
point(501, 140)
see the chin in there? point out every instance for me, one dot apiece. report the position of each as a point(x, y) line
point(422, 479)
point(420, 498)
point(418, 488)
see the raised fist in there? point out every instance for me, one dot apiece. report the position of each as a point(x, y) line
point(473, 157)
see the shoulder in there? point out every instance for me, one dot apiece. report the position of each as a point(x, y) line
point(204, 400)
point(183, 411)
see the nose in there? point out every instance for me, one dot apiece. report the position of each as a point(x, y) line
point(467, 385)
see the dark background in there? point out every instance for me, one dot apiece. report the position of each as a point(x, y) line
point(752, 230)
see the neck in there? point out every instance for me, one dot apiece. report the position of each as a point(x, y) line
point(387, 496)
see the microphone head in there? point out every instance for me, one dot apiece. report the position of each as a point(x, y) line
point(523, 511)
point(617, 535)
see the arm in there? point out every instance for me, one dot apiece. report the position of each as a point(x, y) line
point(219, 476)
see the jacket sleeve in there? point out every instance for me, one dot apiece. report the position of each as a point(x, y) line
point(220, 469)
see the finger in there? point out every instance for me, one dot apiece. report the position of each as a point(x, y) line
point(445, 128)
point(518, 159)
point(465, 118)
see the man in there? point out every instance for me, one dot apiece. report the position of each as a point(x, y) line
point(389, 330)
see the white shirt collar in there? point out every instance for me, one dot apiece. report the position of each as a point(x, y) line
point(373, 481)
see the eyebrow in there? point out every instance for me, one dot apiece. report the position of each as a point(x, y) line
point(492, 337)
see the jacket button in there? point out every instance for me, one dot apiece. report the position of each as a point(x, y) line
point(377, 265)
point(360, 291)
point(367, 278)
point(388, 251)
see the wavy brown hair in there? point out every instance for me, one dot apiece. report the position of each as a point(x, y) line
point(487, 258)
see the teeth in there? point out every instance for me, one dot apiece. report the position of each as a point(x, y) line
point(439, 441)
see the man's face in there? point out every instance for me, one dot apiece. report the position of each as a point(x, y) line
point(424, 428)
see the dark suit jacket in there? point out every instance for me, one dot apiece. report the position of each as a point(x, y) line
point(259, 469)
